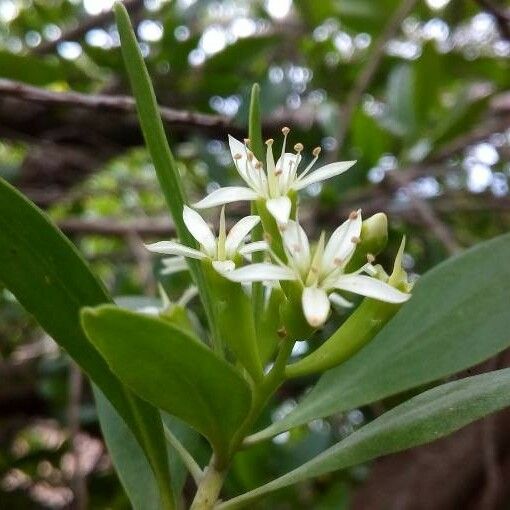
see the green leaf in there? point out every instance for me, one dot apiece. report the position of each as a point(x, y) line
point(457, 317)
point(130, 462)
point(422, 419)
point(171, 370)
point(157, 143)
point(45, 272)
point(257, 146)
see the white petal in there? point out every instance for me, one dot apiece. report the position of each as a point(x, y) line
point(370, 287)
point(261, 272)
point(173, 265)
point(237, 149)
point(315, 306)
point(173, 248)
point(286, 169)
point(223, 266)
point(199, 229)
point(226, 195)
point(279, 208)
point(323, 173)
point(339, 300)
point(253, 247)
point(238, 232)
point(340, 246)
point(296, 242)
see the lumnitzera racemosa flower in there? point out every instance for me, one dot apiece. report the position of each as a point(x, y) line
point(276, 181)
point(321, 271)
point(221, 250)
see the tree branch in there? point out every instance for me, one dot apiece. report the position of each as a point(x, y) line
point(77, 32)
point(369, 69)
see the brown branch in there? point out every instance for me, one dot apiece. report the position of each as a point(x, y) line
point(106, 103)
point(501, 16)
point(369, 69)
point(77, 32)
point(427, 216)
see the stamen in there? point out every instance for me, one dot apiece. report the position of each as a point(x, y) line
point(278, 171)
point(316, 151)
point(249, 155)
point(285, 130)
point(258, 165)
point(370, 258)
point(338, 261)
point(298, 147)
point(237, 156)
point(269, 141)
point(355, 240)
point(247, 141)
point(353, 215)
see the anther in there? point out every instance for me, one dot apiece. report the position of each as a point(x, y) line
point(249, 155)
point(258, 165)
point(281, 332)
point(267, 237)
point(355, 240)
point(285, 130)
point(316, 151)
point(337, 261)
point(298, 147)
point(247, 141)
point(353, 215)
point(269, 141)
point(370, 258)
point(237, 156)
point(278, 171)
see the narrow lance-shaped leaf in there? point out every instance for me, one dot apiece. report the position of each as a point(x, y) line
point(45, 272)
point(457, 317)
point(171, 370)
point(422, 419)
point(157, 143)
point(256, 144)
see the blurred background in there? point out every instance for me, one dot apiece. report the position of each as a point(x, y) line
point(418, 92)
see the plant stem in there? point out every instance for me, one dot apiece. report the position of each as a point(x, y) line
point(191, 464)
point(209, 487)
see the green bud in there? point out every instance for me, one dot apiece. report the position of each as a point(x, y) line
point(373, 239)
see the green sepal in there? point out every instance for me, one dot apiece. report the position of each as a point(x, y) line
point(233, 310)
point(373, 240)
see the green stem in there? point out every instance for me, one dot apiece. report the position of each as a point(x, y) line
point(191, 464)
point(209, 487)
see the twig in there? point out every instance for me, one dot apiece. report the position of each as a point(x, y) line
point(427, 216)
point(369, 69)
point(191, 464)
point(105, 103)
point(501, 16)
point(84, 26)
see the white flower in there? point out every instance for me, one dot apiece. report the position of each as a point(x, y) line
point(323, 271)
point(275, 182)
point(221, 251)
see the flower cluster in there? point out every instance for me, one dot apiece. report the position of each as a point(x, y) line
point(321, 271)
